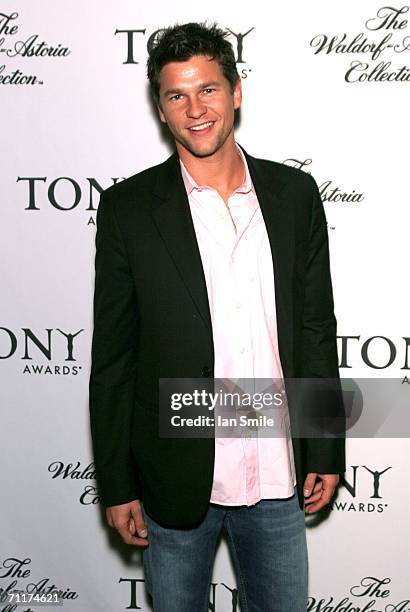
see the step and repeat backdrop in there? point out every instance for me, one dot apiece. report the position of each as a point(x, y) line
point(326, 89)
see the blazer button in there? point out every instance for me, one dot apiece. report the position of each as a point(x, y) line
point(206, 372)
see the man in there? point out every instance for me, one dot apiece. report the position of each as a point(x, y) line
point(211, 264)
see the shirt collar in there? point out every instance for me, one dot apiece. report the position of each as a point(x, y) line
point(191, 184)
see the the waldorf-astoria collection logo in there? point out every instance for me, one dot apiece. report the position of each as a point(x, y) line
point(330, 192)
point(20, 582)
point(378, 54)
point(76, 472)
point(45, 352)
point(14, 45)
point(369, 594)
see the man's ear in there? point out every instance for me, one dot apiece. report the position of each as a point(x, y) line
point(237, 94)
point(161, 114)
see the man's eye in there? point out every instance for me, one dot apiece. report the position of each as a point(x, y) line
point(209, 90)
point(176, 97)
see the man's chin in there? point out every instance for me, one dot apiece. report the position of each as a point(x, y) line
point(204, 151)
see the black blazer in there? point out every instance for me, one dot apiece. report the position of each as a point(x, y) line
point(152, 320)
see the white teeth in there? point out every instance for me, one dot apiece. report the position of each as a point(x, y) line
point(201, 127)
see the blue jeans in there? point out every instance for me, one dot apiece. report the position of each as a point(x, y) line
point(268, 546)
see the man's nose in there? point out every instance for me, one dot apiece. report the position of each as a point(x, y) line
point(195, 108)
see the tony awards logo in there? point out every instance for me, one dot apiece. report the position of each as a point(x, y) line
point(63, 193)
point(133, 37)
point(362, 490)
point(51, 352)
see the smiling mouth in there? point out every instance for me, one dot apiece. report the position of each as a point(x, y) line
point(202, 127)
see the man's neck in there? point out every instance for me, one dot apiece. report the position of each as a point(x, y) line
point(224, 171)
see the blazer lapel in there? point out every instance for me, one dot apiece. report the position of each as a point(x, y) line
point(277, 211)
point(172, 216)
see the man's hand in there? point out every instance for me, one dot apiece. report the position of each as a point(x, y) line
point(127, 519)
point(319, 494)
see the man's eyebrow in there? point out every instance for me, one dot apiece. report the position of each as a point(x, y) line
point(200, 86)
point(172, 91)
point(209, 84)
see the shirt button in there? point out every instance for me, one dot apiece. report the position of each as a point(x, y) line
point(242, 350)
point(220, 216)
point(206, 372)
point(238, 305)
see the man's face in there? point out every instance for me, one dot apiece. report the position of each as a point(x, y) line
point(197, 104)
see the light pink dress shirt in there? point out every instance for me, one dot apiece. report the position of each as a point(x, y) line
point(238, 268)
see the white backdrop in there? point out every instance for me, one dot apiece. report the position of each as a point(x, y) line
point(78, 119)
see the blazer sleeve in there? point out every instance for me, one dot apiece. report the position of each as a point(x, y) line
point(113, 362)
point(324, 454)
